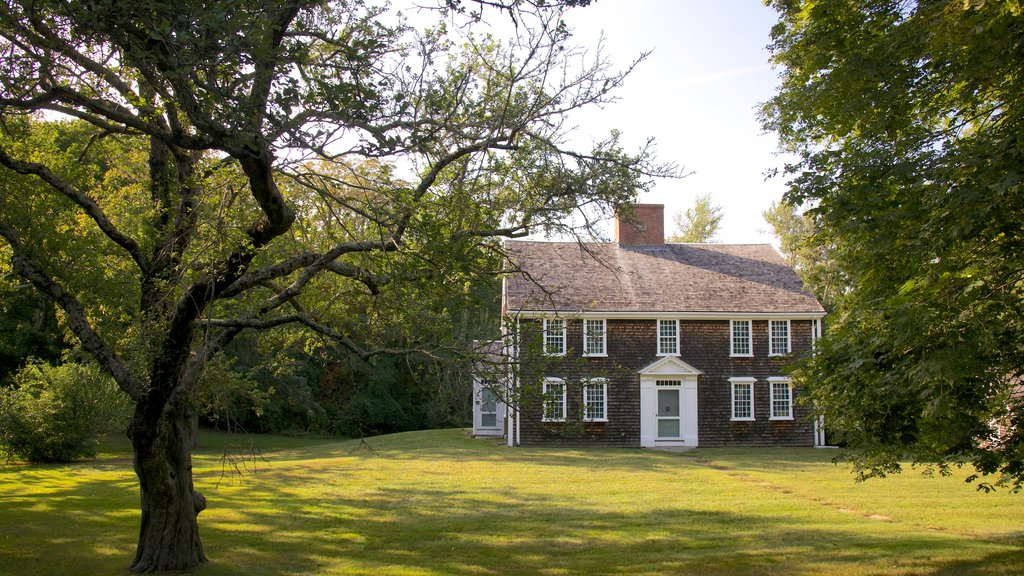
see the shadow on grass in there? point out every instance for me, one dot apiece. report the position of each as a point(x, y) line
point(294, 520)
point(56, 523)
point(431, 531)
point(456, 444)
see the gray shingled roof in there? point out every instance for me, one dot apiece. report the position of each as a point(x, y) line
point(563, 276)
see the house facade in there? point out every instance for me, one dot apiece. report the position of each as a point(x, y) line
point(641, 343)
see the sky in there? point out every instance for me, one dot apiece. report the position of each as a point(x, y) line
point(697, 96)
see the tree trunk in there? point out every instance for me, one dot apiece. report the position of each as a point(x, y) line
point(169, 535)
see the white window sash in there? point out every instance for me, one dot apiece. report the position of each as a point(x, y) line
point(734, 385)
point(589, 340)
point(673, 343)
point(603, 385)
point(546, 404)
point(749, 338)
point(558, 334)
point(772, 339)
point(778, 382)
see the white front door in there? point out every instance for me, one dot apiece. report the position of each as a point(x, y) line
point(669, 409)
point(488, 409)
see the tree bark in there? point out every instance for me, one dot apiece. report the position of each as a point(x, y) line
point(162, 437)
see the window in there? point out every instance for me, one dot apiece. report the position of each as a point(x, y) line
point(553, 390)
point(668, 337)
point(595, 400)
point(782, 398)
point(741, 338)
point(815, 332)
point(595, 339)
point(778, 336)
point(554, 337)
point(742, 398)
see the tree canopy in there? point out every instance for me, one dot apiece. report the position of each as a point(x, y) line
point(699, 223)
point(804, 252)
point(906, 122)
point(175, 173)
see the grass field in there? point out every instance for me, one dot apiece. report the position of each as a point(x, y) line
point(440, 502)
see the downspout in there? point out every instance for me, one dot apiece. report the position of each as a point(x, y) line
point(509, 382)
point(819, 423)
point(516, 379)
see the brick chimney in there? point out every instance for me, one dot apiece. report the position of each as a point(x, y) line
point(645, 227)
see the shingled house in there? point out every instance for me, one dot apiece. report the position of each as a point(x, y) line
point(641, 343)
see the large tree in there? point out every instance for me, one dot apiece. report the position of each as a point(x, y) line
point(906, 119)
point(238, 165)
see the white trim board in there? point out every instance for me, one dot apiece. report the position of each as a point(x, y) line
point(575, 314)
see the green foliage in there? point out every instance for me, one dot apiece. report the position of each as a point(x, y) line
point(699, 223)
point(802, 249)
point(174, 174)
point(254, 388)
point(28, 326)
point(906, 121)
point(57, 413)
point(388, 395)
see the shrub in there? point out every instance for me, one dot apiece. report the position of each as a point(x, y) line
point(58, 413)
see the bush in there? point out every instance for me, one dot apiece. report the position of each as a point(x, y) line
point(58, 413)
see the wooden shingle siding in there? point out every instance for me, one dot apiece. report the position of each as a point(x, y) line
point(704, 344)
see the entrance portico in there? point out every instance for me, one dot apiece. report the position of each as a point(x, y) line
point(668, 404)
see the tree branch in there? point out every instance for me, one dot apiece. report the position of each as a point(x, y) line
point(85, 202)
point(78, 320)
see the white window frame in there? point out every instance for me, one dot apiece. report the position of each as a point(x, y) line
point(772, 338)
point(749, 339)
point(774, 382)
point(748, 383)
point(588, 340)
point(545, 387)
point(556, 333)
point(662, 339)
point(603, 384)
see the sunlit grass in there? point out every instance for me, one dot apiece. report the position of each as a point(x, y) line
point(442, 503)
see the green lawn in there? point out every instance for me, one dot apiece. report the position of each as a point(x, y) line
point(440, 502)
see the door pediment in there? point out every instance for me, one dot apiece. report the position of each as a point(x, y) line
point(669, 366)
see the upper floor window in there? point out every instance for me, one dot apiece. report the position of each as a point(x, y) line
point(781, 394)
point(595, 400)
point(595, 338)
point(553, 390)
point(778, 337)
point(741, 340)
point(742, 398)
point(668, 337)
point(554, 336)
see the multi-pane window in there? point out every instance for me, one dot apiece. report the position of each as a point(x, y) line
point(668, 337)
point(778, 337)
point(595, 338)
point(781, 399)
point(742, 398)
point(741, 338)
point(554, 336)
point(595, 400)
point(553, 390)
